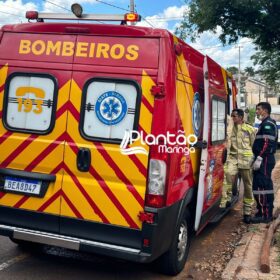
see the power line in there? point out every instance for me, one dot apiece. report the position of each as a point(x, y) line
point(6, 22)
point(57, 5)
point(65, 8)
point(168, 18)
point(14, 8)
point(7, 13)
point(108, 4)
point(103, 2)
point(216, 47)
point(148, 22)
point(117, 7)
point(222, 46)
point(162, 20)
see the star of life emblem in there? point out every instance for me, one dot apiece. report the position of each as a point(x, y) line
point(111, 108)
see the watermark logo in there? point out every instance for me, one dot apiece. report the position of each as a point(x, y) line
point(169, 143)
point(128, 139)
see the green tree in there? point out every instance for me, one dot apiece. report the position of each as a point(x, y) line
point(249, 71)
point(251, 115)
point(255, 19)
point(233, 70)
point(270, 67)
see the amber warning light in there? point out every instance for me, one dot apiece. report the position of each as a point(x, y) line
point(132, 17)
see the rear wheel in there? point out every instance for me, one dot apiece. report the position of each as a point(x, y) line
point(173, 261)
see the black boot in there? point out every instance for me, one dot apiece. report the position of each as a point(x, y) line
point(267, 219)
point(257, 220)
point(247, 219)
point(264, 220)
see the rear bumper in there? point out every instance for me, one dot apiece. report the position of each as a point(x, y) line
point(73, 243)
point(103, 239)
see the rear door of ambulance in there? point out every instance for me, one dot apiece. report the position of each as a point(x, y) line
point(214, 134)
point(35, 79)
point(103, 189)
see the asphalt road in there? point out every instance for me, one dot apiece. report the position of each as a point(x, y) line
point(50, 263)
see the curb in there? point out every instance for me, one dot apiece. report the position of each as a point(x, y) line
point(246, 257)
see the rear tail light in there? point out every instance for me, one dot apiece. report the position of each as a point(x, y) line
point(156, 183)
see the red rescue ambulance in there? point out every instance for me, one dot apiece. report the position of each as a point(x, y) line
point(69, 92)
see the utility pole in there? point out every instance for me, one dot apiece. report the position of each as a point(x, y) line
point(131, 6)
point(132, 9)
point(239, 79)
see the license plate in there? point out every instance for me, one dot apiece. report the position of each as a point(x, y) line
point(22, 185)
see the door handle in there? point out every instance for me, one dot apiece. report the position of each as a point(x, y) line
point(84, 159)
point(200, 144)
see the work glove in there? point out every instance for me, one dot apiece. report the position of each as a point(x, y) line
point(251, 162)
point(257, 163)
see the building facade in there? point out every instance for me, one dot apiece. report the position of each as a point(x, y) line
point(256, 91)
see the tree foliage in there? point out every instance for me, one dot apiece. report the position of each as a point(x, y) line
point(251, 115)
point(255, 19)
point(233, 70)
point(249, 71)
point(270, 67)
point(232, 19)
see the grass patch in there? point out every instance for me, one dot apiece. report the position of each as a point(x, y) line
point(255, 229)
point(277, 242)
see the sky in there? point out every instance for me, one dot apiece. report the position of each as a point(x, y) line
point(165, 14)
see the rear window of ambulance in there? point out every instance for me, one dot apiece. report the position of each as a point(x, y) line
point(30, 102)
point(110, 107)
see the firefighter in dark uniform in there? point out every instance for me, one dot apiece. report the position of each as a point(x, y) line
point(264, 148)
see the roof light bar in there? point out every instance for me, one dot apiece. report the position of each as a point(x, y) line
point(131, 17)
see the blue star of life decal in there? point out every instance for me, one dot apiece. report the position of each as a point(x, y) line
point(111, 108)
point(196, 114)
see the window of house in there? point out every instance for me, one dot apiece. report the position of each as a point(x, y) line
point(109, 108)
point(218, 120)
point(30, 102)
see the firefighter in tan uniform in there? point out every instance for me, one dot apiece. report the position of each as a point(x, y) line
point(239, 161)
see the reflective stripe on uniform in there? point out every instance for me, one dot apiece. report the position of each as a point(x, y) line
point(247, 154)
point(266, 136)
point(264, 192)
point(248, 201)
point(248, 128)
point(272, 123)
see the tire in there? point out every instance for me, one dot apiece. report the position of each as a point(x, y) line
point(173, 261)
point(24, 244)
